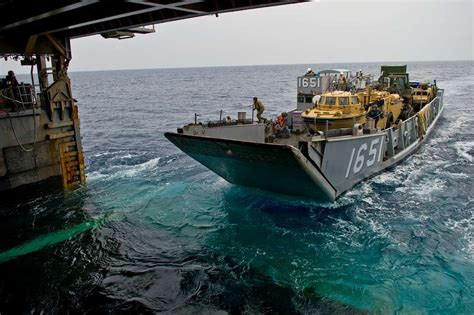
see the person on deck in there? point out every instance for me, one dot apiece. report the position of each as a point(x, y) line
point(342, 84)
point(375, 113)
point(258, 106)
point(281, 119)
point(281, 127)
point(11, 93)
point(309, 73)
point(11, 79)
point(405, 113)
point(227, 120)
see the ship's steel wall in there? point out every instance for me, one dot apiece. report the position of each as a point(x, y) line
point(27, 157)
point(348, 160)
point(273, 167)
point(314, 85)
point(31, 167)
point(40, 144)
point(242, 132)
point(23, 125)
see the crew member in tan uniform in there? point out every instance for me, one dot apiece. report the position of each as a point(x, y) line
point(258, 106)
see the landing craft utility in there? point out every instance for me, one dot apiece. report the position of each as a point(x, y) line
point(345, 129)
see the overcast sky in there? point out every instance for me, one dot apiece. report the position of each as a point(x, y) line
point(316, 32)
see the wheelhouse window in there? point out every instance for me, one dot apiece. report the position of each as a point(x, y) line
point(355, 100)
point(330, 101)
point(343, 101)
point(399, 82)
point(322, 100)
point(422, 93)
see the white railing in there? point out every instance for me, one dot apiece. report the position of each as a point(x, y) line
point(19, 98)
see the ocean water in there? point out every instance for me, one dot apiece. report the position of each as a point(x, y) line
point(154, 231)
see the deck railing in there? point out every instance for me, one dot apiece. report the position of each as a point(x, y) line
point(19, 98)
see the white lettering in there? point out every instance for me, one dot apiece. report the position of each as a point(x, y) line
point(312, 82)
point(350, 163)
point(380, 151)
point(359, 162)
point(372, 152)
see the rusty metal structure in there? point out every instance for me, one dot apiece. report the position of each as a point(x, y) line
point(38, 33)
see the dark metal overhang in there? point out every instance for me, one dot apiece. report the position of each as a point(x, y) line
point(28, 27)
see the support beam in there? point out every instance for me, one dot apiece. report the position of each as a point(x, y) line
point(30, 45)
point(124, 15)
point(49, 14)
point(176, 7)
point(55, 42)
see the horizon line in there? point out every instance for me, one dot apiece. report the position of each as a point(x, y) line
point(263, 65)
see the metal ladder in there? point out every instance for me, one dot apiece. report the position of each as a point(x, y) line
point(64, 127)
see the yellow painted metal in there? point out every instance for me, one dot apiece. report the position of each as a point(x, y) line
point(422, 95)
point(341, 110)
point(58, 135)
point(64, 128)
point(391, 107)
point(59, 124)
point(344, 109)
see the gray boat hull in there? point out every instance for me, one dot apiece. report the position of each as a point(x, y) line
point(278, 168)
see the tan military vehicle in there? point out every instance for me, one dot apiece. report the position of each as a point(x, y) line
point(335, 110)
point(422, 95)
point(390, 104)
point(340, 109)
